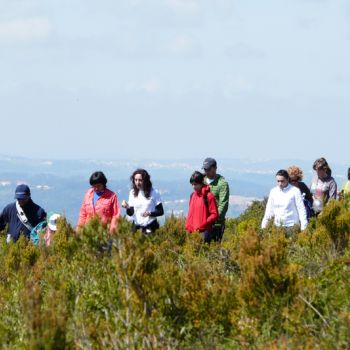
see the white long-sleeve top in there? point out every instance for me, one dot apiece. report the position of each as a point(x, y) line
point(286, 206)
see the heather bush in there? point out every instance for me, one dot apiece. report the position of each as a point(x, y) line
point(254, 290)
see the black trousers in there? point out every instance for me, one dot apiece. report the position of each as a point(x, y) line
point(153, 226)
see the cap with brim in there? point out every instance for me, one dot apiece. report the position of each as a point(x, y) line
point(22, 192)
point(208, 163)
point(21, 196)
point(52, 223)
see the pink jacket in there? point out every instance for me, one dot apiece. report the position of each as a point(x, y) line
point(107, 208)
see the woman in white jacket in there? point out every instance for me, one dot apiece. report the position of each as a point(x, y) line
point(285, 204)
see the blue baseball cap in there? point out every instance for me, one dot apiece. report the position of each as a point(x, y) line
point(22, 192)
point(208, 163)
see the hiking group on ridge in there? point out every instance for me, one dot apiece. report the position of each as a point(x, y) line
point(291, 203)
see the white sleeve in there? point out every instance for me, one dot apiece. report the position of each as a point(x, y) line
point(268, 211)
point(301, 210)
point(131, 199)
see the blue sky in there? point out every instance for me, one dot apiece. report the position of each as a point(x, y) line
point(175, 78)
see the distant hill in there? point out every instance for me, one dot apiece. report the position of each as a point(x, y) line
point(59, 185)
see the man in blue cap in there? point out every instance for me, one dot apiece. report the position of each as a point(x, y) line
point(22, 215)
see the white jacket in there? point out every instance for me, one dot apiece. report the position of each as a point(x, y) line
point(286, 206)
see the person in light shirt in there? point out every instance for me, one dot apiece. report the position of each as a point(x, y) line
point(285, 204)
point(346, 186)
point(144, 204)
point(323, 185)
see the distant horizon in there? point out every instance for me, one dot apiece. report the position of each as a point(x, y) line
point(149, 159)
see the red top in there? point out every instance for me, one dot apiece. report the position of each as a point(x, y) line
point(201, 217)
point(106, 208)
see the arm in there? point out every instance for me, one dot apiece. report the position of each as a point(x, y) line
point(268, 211)
point(82, 214)
point(116, 213)
point(333, 190)
point(301, 210)
point(3, 219)
point(130, 211)
point(189, 225)
point(213, 209)
point(158, 211)
point(42, 215)
point(224, 196)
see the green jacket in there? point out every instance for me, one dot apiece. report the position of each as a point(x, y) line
point(220, 189)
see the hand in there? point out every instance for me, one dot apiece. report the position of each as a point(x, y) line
point(146, 213)
point(125, 204)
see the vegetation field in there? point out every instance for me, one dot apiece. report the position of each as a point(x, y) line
point(255, 290)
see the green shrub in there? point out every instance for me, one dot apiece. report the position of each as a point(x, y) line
point(90, 290)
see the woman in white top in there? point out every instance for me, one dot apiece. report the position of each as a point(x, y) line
point(144, 204)
point(285, 204)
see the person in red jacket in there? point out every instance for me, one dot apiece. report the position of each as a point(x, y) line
point(203, 211)
point(100, 201)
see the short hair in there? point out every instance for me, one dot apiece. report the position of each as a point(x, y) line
point(322, 163)
point(295, 172)
point(283, 173)
point(98, 177)
point(197, 178)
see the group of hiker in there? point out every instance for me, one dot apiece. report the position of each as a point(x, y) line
point(208, 206)
point(290, 203)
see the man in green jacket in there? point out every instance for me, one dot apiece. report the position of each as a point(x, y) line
point(220, 189)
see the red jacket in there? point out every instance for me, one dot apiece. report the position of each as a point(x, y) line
point(107, 208)
point(201, 217)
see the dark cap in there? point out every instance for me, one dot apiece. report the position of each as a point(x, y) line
point(22, 192)
point(208, 163)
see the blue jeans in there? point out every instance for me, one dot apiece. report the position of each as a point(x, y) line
point(207, 236)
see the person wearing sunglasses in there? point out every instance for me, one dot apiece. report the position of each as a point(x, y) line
point(323, 185)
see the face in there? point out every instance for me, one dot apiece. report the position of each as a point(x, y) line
point(197, 187)
point(22, 202)
point(98, 187)
point(138, 181)
point(321, 172)
point(293, 181)
point(211, 172)
point(282, 182)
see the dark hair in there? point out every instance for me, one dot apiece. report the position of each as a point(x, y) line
point(197, 178)
point(146, 182)
point(98, 177)
point(322, 163)
point(349, 174)
point(283, 173)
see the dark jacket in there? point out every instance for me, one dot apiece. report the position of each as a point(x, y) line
point(202, 212)
point(305, 190)
point(34, 213)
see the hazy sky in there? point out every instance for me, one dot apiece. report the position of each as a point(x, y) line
point(175, 78)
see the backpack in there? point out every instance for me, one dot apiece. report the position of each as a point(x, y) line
point(35, 232)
